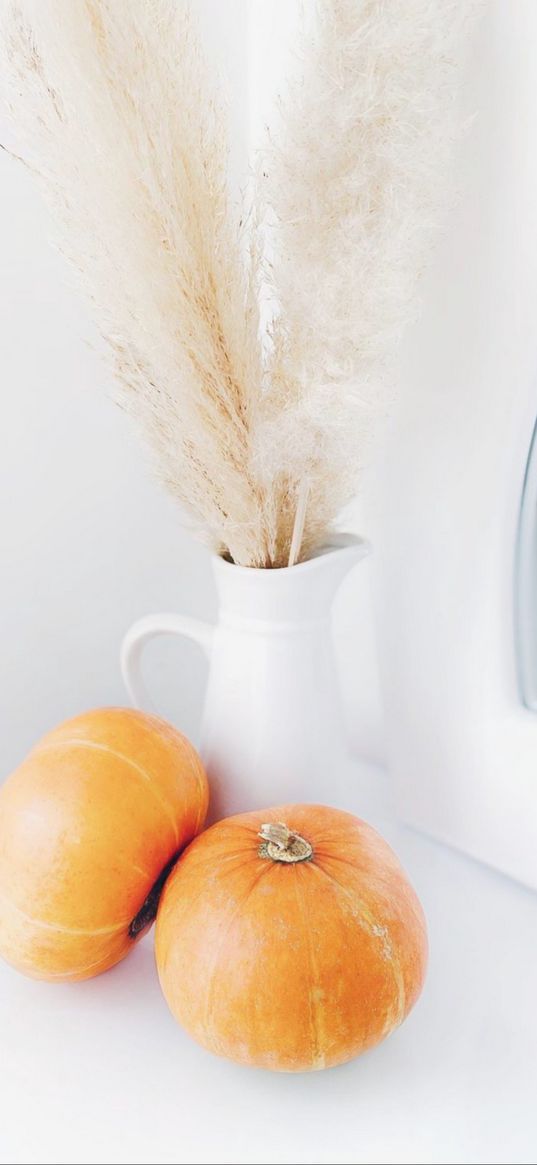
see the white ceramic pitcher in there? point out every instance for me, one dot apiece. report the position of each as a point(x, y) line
point(273, 728)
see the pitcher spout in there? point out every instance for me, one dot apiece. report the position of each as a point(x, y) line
point(342, 551)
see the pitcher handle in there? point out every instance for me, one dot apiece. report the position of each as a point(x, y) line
point(147, 628)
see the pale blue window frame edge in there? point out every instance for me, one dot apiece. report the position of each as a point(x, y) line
point(526, 583)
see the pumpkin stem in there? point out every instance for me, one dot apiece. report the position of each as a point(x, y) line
point(282, 845)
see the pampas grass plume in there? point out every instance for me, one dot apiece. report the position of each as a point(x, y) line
point(258, 432)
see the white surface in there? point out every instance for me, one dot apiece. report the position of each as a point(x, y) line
point(273, 723)
point(99, 1071)
point(461, 746)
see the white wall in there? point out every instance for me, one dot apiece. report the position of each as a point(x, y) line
point(88, 541)
point(462, 748)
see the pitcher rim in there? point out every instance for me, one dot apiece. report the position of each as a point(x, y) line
point(336, 542)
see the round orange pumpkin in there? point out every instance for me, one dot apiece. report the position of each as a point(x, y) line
point(290, 939)
point(89, 825)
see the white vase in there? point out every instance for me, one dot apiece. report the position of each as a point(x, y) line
point(273, 728)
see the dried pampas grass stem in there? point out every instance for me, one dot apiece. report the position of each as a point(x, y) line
point(297, 536)
point(258, 432)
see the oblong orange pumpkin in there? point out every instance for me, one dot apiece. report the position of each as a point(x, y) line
point(89, 824)
point(290, 938)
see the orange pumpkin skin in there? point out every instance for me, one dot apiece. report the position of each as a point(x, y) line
point(290, 966)
point(87, 823)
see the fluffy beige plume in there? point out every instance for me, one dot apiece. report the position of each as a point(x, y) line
point(113, 106)
point(352, 187)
